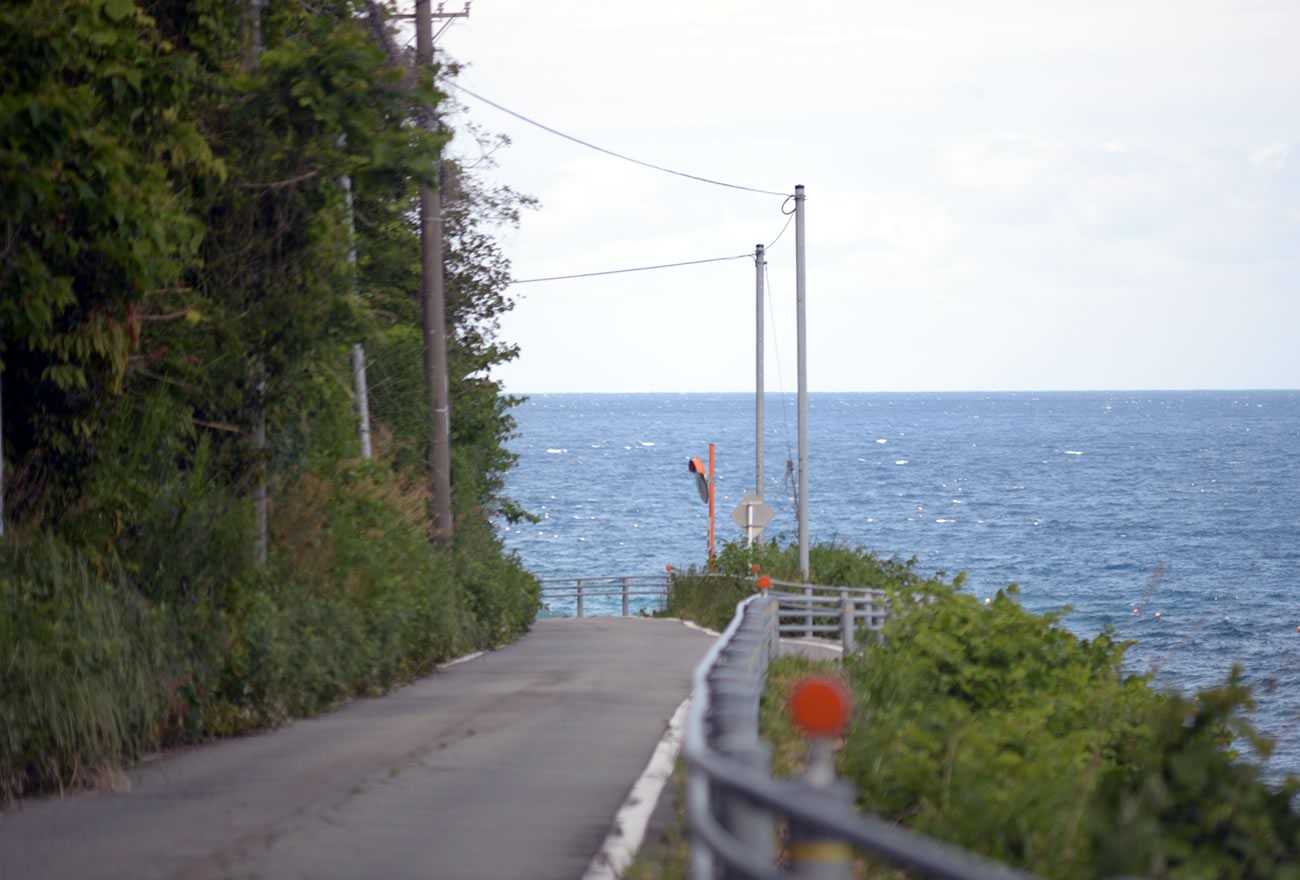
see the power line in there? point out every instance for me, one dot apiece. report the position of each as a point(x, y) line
point(789, 478)
point(779, 234)
point(632, 269)
point(591, 146)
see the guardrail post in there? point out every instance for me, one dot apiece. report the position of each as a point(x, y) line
point(820, 707)
point(752, 824)
point(734, 718)
point(848, 624)
point(814, 855)
point(579, 597)
point(808, 621)
point(625, 589)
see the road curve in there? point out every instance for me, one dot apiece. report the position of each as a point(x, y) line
point(510, 765)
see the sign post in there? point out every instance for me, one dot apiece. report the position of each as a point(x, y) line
point(752, 514)
point(705, 484)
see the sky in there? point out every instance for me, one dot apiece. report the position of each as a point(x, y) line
point(1047, 195)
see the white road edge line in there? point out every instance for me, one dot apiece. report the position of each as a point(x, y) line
point(628, 831)
point(812, 643)
point(468, 657)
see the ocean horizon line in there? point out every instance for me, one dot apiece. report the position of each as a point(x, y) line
point(1044, 391)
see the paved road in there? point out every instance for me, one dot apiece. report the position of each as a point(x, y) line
point(511, 765)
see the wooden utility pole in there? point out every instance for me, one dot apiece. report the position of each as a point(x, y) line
point(261, 502)
point(433, 299)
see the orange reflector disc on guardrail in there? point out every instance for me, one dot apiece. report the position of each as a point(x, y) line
point(754, 568)
point(820, 706)
point(764, 583)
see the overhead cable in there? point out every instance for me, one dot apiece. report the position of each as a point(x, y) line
point(790, 480)
point(767, 192)
point(633, 269)
point(781, 233)
point(748, 256)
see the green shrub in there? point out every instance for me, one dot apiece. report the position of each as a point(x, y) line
point(98, 663)
point(81, 669)
point(710, 598)
point(706, 600)
point(997, 729)
point(830, 564)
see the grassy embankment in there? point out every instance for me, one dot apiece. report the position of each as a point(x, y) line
point(100, 664)
point(997, 729)
point(201, 219)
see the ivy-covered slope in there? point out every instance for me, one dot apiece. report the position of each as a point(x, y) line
point(174, 245)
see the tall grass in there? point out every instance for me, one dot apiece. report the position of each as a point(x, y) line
point(81, 669)
point(186, 639)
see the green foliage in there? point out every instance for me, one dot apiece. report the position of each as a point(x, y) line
point(174, 241)
point(831, 565)
point(93, 145)
point(710, 599)
point(81, 669)
point(707, 600)
point(997, 729)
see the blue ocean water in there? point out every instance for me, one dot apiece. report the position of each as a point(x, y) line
point(1183, 503)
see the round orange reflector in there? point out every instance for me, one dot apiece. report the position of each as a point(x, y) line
point(754, 568)
point(668, 568)
point(764, 583)
point(820, 706)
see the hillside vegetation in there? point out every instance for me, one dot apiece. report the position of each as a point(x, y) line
point(998, 729)
point(175, 274)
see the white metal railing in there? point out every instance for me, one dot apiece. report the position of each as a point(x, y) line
point(733, 803)
point(606, 587)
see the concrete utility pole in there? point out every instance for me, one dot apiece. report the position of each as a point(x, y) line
point(358, 353)
point(760, 264)
point(363, 402)
point(801, 319)
point(433, 299)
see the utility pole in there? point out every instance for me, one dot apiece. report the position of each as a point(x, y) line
point(760, 264)
point(713, 482)
point(363, 403)
point(801, 320)
point(2, 454)
point(261, 502)
point(433, 297)
point(358, 353)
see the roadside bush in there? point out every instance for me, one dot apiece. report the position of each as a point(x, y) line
point(98, 663)
point(710, 599)
point(81, 662)
point(707, 600)
point(831, 565)
point(997, 729)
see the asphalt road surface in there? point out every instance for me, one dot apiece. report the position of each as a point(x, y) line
point(511, 765)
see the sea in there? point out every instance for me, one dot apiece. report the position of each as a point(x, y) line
point(1173, 517)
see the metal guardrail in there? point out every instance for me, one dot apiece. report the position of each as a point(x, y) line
point(622, 587)
point(848, 610)
point(733, 802)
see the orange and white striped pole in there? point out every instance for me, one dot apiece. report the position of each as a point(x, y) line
point(712, 498)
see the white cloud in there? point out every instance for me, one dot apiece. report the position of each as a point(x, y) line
point(1273, 157)
point(1006, 161)
point(1052, 195)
